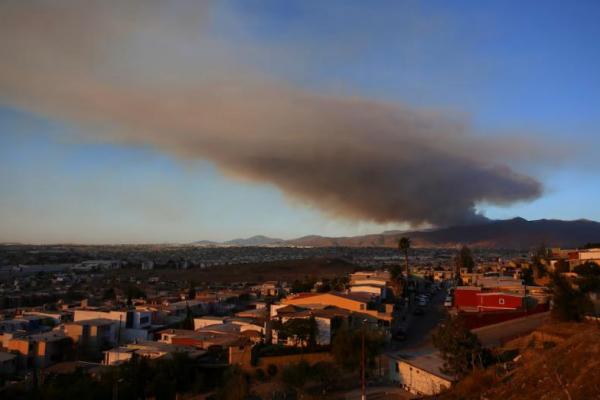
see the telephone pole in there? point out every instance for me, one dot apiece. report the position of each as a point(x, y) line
point(363, 395)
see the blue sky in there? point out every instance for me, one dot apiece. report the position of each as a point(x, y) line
point(511, 67)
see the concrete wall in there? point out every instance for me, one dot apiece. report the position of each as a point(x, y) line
point(283, 361)
point(494, 335)
point(416, 380)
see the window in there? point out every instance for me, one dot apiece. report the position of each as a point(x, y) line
point(501, 301)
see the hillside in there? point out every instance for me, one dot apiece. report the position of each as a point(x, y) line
point(258, 240)
point(558, 361)
point(516, 233)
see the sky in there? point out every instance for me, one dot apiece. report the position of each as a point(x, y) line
point(152, 123)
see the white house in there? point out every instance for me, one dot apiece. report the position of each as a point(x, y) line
point(419, 373)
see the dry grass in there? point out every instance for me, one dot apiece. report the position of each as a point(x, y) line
point(255, 272)
point(559, 361)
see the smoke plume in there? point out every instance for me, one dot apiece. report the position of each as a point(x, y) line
point(142, 73)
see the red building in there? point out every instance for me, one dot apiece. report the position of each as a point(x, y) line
point(466, 297)
point(499, 301)
point(471, 298)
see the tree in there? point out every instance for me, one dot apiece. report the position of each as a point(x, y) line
point(304, 331)
point(459, 347)
point(527, 276)
point(109, 294)
point(272, 370)
point(297, 375)
point(588, 279)
point(346, 347)
point(191, 292)
point(537, 259)
point(561, 266)
point(397, 279)
point(134, 292)
point(404, 246)
point(235, 385)
point(464, 259)
point(188, 322)
point(305, 285)
point(569, 303)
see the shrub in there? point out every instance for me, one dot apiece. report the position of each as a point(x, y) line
point(260, 375)
point(272, 369)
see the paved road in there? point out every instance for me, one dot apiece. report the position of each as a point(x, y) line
point(420, 327)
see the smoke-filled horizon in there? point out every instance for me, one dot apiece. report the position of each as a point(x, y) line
point(140, 75)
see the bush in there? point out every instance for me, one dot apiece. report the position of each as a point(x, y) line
point(569, 303)
point(272, 369)
point(260, 375)
point(459, 347)
point(297, 375)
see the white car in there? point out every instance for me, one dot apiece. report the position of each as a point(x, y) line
point(448, 302)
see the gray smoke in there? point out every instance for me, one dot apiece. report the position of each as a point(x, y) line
point(151, 76)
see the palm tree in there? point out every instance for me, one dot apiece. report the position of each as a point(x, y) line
point(404, 246)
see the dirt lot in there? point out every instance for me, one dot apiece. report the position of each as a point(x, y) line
point(279, 270)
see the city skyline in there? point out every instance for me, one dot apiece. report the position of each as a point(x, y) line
point(130, 124)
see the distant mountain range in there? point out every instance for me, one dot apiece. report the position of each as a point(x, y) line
point(516, 233)
point(258, 240)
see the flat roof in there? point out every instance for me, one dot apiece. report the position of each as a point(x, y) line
point(5, 356)
point(94, 322)
point(427, 360)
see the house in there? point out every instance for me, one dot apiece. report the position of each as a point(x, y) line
point(133, 324)
point(355, 302)
point(271, 289)
point(148, 349)
point(147, 265)
point(42, 349)
point(95, 333)
point(56, 316)
point(419, 372)
point(466, 296)
point(13, 325)
point(327, 320)
point(373, 282)
point(499, 301)
point(472, 298)
point(219, 335)
point(208, 320)
point(8, 363)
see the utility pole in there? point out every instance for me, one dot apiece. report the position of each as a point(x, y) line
point(363, 395)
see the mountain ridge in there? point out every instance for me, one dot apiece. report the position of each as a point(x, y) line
point(515, 233)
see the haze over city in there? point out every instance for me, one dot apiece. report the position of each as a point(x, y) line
point(142, 122)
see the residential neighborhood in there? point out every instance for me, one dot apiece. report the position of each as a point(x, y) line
point(96, 318)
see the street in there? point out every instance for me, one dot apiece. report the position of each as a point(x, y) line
point(420, 328)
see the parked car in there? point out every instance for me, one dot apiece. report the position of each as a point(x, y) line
point(448, 302)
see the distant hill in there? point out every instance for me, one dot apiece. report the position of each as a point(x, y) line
point(206, 243)
point(517, 233)
point(258, 240)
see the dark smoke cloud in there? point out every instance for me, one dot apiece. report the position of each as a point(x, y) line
point(122, 72)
